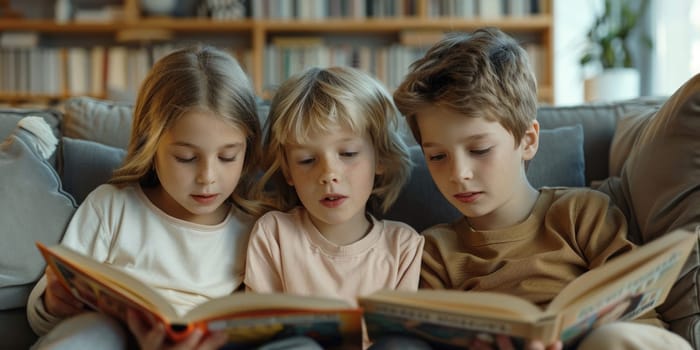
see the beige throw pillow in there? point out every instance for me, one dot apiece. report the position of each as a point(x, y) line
point(660, 186)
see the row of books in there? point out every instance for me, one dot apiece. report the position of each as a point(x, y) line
point(388, 63)
point(483, 8)
point(100, 71)
point(319, 9)
point(106, 71)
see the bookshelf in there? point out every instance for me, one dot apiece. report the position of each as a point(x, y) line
point(362, 40)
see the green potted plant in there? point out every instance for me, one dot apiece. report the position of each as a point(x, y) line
point(609, 49)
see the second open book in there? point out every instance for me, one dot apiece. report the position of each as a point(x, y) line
point(621, 289)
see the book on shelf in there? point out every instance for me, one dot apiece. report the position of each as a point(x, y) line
point(297, 41)
point(23, 39)
point(249, 319)
point(622, 289)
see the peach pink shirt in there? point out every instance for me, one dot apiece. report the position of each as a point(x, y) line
point(286, 253)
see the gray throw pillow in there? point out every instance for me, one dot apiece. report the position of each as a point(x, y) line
point(81, 157)
point(102, 121)
point(35, 208)
point(559, 160)
point(10, 116)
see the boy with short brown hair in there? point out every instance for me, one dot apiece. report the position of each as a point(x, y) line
point(471, 103)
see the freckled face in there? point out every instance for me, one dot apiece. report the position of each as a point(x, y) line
point(199, 162)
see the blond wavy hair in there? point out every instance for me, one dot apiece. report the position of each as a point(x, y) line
point(318, 100)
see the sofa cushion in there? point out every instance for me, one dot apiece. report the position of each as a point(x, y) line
point(659, 187)
point(36, 209)
point(10, 116)
point(598, 122)
point(80, 157)
point(559, 160)
point(106, 122)
point(661, 175)
point(109, 122)
point(626, 133)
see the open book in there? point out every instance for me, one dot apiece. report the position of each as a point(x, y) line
point(621, 289)
point(249, 319)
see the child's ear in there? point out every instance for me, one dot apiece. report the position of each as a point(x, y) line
point(531, 140)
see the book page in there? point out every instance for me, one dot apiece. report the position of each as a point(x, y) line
point(473, 303)
point(251, 319)
point(617, 270)
point(329, 328)
point(636, 285)
point(251, 303)
point(453, 318)
point(103, 287)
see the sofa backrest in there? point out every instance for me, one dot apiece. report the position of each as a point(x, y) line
point(599, 122)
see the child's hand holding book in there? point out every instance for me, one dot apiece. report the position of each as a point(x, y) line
point(151, 334)
point(58, 300)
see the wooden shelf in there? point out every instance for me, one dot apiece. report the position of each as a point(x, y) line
point(537, 23)
point(180, 25)
point(256, 34)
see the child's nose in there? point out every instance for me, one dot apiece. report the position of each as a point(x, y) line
point(461, 169)
point(205, 174)
point(329, 173)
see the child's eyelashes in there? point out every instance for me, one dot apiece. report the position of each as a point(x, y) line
point(480, 152)
point(185, 159)
point(311, 160)
point(228, 159)
point(194, 158)
point(436, 157)
point(348, 154)
point(305, 161)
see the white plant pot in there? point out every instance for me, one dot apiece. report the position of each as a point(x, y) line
point(613, 85)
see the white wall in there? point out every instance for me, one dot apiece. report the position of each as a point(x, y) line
point(571, 21)
point(676, 56)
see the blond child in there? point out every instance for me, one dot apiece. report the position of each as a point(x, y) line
point(471, 104)
point(175, 214)
point(333, 151)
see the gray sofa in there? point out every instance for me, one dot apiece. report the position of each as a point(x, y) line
point(38, 196)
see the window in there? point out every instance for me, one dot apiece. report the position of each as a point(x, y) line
point(675, 57)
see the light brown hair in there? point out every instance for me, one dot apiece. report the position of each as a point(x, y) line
point(481, 74)
point(193, 78)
